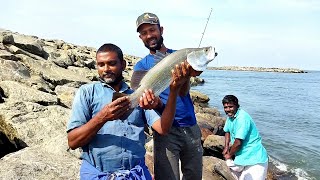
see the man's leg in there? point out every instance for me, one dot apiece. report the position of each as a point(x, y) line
point(166, 155)
point(255, 172)
point(191, 155)
point(235, 174)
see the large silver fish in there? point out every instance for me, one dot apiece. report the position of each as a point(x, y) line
point(158, 78)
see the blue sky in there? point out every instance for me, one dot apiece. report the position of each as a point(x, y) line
point(269, 33)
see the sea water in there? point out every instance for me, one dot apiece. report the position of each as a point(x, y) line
point(285, 108)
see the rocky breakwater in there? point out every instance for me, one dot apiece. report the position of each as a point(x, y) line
point(38, 80)
point(258, 69)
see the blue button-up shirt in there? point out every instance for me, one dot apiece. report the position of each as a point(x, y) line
point(119, 144)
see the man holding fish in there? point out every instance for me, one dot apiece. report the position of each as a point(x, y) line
point(110, 132)
point(183, 142)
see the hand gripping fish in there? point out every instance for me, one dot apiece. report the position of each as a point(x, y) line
point(158, 78)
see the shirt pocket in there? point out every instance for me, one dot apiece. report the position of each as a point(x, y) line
point(108, 164)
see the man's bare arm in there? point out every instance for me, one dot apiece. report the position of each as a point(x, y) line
point(82, 135)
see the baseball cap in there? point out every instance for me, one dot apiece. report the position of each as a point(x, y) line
point(147, 18)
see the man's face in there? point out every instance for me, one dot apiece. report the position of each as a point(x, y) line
point(110, 67)
point(151, 36)
point(230, 109)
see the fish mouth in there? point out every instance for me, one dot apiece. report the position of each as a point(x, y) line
point(211, 53)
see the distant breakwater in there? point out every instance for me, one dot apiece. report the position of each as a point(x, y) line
point(258, 69)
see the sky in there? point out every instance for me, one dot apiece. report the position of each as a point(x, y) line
point(261, 33)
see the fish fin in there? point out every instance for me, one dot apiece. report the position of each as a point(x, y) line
point(136, 78)
point(117, 95)
point(158, 56)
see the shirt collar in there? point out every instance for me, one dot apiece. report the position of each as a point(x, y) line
point(235, 116)
point(168, 51)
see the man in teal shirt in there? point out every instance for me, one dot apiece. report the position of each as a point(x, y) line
point(246, 146)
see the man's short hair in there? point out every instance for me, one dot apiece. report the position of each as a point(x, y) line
point(231, 99)
point(108, 47)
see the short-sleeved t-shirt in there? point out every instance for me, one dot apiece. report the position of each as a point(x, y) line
point(243, 127)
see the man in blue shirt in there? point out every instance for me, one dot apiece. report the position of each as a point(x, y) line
point(184, 139)
point(111, 134)
point(243, 134)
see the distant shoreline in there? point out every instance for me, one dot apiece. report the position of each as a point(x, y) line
point(258, 69)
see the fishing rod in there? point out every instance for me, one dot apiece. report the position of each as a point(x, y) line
point(205, 28)
point(215, 54)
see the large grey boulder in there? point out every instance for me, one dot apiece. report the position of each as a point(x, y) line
point(61, 58)
point(30, 44)
point(214, 145)
point(13, 70)
point(91, 74)
point(20, 92)
point(51, 72)
point(35, 124)
point(4, 54)
point(36, 163)
point(199, 99)
point(215, 169)
point(65, 95)
point(6, 37)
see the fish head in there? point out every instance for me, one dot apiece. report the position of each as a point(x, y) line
point(200, 57)
point(210, 53)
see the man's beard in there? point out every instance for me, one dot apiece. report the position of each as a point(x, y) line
point(111, 81)
point(157, 47)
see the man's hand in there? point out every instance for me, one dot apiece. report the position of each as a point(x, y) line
point(82, 135)
point(225, 150)
point(193, 72)
point(227, 156)
point(180, 75)
point(116, 109)
point(149, 100)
